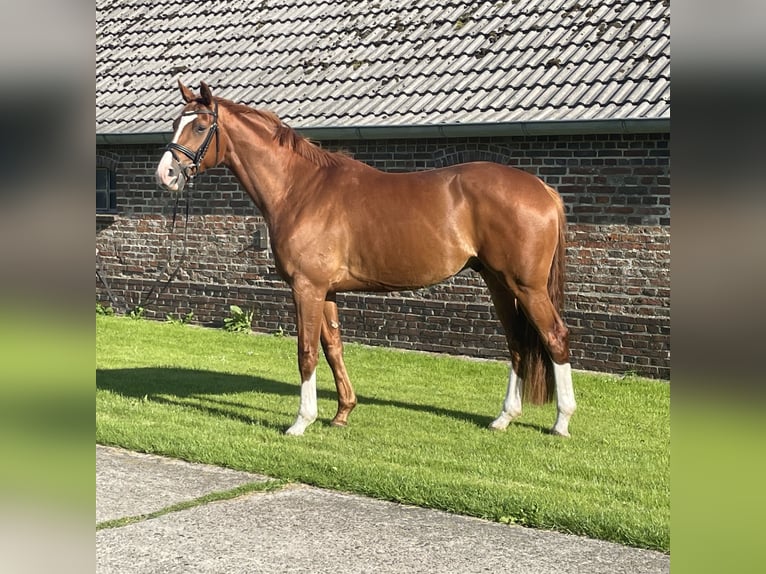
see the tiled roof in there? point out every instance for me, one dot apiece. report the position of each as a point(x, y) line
point(320, 63)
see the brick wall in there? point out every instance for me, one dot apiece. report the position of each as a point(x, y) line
point(616, 190)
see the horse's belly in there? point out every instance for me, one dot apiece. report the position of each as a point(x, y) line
point(407, 265)
point(408, 237)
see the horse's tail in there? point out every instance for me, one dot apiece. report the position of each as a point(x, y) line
point(536, 367)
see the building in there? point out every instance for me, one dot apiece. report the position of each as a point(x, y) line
point(575, 92)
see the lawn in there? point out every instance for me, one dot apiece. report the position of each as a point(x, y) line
point(418, 436)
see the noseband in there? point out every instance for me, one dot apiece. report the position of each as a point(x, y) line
point(197, 156)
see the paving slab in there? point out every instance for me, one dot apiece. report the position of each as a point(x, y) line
point(131, 484)
point(304, 529)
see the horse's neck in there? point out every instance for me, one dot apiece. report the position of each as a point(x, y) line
point(260, 166)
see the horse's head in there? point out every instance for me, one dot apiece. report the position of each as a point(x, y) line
point(194, 130)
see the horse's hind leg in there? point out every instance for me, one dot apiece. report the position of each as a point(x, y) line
point(333, 351)
point(511, 403)
point(565, 400)
point(555, 336)
point(505, 306)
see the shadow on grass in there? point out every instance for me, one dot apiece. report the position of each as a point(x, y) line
point(174, 386)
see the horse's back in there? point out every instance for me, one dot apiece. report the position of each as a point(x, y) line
point(502, 197)
point(466, 201)
point(483, 178)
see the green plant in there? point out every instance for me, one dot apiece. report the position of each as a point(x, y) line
point(137, 312)
point(101, 310)
point(280, 332)
point(239, 321)
point(181, 320)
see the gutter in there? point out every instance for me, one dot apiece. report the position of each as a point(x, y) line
point(535, 128)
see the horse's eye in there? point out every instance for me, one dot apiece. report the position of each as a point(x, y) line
point(201, 128)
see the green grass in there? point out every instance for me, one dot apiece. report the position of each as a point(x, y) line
point(186, 504)
point(418, 436)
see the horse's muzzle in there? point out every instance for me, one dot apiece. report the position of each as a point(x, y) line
point(170, 175)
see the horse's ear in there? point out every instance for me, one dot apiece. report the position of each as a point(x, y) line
point(205, 94)
point(186, 93)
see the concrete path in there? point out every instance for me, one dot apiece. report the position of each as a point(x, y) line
point(304, 529)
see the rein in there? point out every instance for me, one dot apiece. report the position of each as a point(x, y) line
point(101, 274)
point(196, 158)
point(181, 260)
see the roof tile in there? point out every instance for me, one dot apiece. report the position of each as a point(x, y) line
point(384, 62)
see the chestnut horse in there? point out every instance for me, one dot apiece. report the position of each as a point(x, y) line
point(339, 225)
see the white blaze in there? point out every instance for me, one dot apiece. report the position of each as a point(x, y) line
point(165, 174)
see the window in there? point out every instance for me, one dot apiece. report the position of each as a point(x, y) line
point(106, 194)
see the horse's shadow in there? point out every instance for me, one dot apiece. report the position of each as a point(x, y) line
point(175, 386)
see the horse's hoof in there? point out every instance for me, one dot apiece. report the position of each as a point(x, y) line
point(296, 430)
point(501, 423)
point(341, 424)
point(565, 434)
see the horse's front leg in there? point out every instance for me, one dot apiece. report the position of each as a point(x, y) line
point(309, 304)
point(333, 352)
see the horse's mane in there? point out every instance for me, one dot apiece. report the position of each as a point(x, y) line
point(287, 137)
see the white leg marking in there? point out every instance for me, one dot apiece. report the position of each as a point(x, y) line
point(164, 174)
point(307, 412)
point(565, 399)
point(511, 404)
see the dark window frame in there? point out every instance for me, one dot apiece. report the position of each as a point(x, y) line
point(106, 186)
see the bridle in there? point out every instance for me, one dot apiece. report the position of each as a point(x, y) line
point(196, 157)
